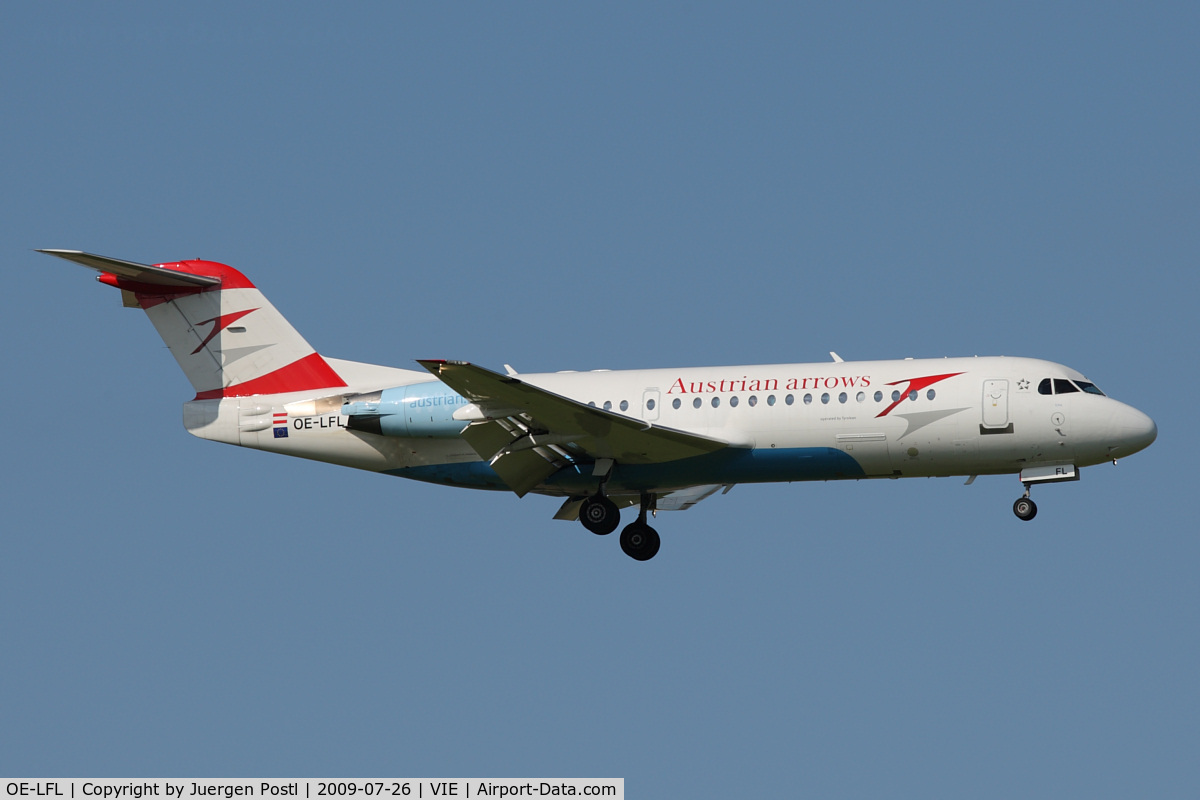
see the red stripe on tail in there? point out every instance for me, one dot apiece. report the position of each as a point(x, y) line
point(310, 372)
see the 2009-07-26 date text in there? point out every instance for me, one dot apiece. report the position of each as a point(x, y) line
point(351, 788)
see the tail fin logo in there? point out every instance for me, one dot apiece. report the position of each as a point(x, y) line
point(219, 324)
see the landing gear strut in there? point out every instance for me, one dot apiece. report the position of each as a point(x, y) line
point(1025, 508)
point(638, 540)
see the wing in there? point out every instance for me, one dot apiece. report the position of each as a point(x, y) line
point(523, 431)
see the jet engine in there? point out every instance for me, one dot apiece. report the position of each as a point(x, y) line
point(419, 410)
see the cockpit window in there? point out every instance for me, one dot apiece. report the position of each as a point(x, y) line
point(1064, 386)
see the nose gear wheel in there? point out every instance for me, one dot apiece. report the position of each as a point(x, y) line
point(1025, 508)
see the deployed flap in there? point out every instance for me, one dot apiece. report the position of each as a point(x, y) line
point(524, 470)
point(599, 433)
point(142, 273)
point(521, 469)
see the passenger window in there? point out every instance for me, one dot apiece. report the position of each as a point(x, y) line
point(608, 405)
point(696, 403)
point(716, 401)
point(624, 405)
point(879, 397)
point(895, 395)
point(753, 401)
point(733, 401)
point(789, 399)
point(676, 403)
point(808, 399)
point(1045, 387)
point(825, 398)
point(842, 397)
point(770, 399)
point(931, 394)
point(1064, 386)
point(861, 397)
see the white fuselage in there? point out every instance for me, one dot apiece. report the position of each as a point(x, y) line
point(817, 421)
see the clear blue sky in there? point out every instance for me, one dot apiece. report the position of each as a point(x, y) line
point(571, 186)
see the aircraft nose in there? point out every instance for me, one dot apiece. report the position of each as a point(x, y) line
point(1130, 431)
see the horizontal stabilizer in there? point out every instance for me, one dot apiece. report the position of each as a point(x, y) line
point(142, 273)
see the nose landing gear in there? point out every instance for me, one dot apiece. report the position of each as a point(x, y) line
point(1025, 508)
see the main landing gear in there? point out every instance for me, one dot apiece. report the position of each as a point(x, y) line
point(1025, 508)
point(638, 540)
point(600, 515)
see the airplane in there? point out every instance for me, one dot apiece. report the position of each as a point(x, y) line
point(657, 439)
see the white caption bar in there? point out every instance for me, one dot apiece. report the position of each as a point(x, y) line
point(337, 789)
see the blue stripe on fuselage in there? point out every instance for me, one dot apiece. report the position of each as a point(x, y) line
point(469, 474)
point(732, 465)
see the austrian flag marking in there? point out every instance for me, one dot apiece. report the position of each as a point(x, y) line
point(280, 423)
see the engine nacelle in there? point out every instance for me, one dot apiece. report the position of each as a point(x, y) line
point(419, 410)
